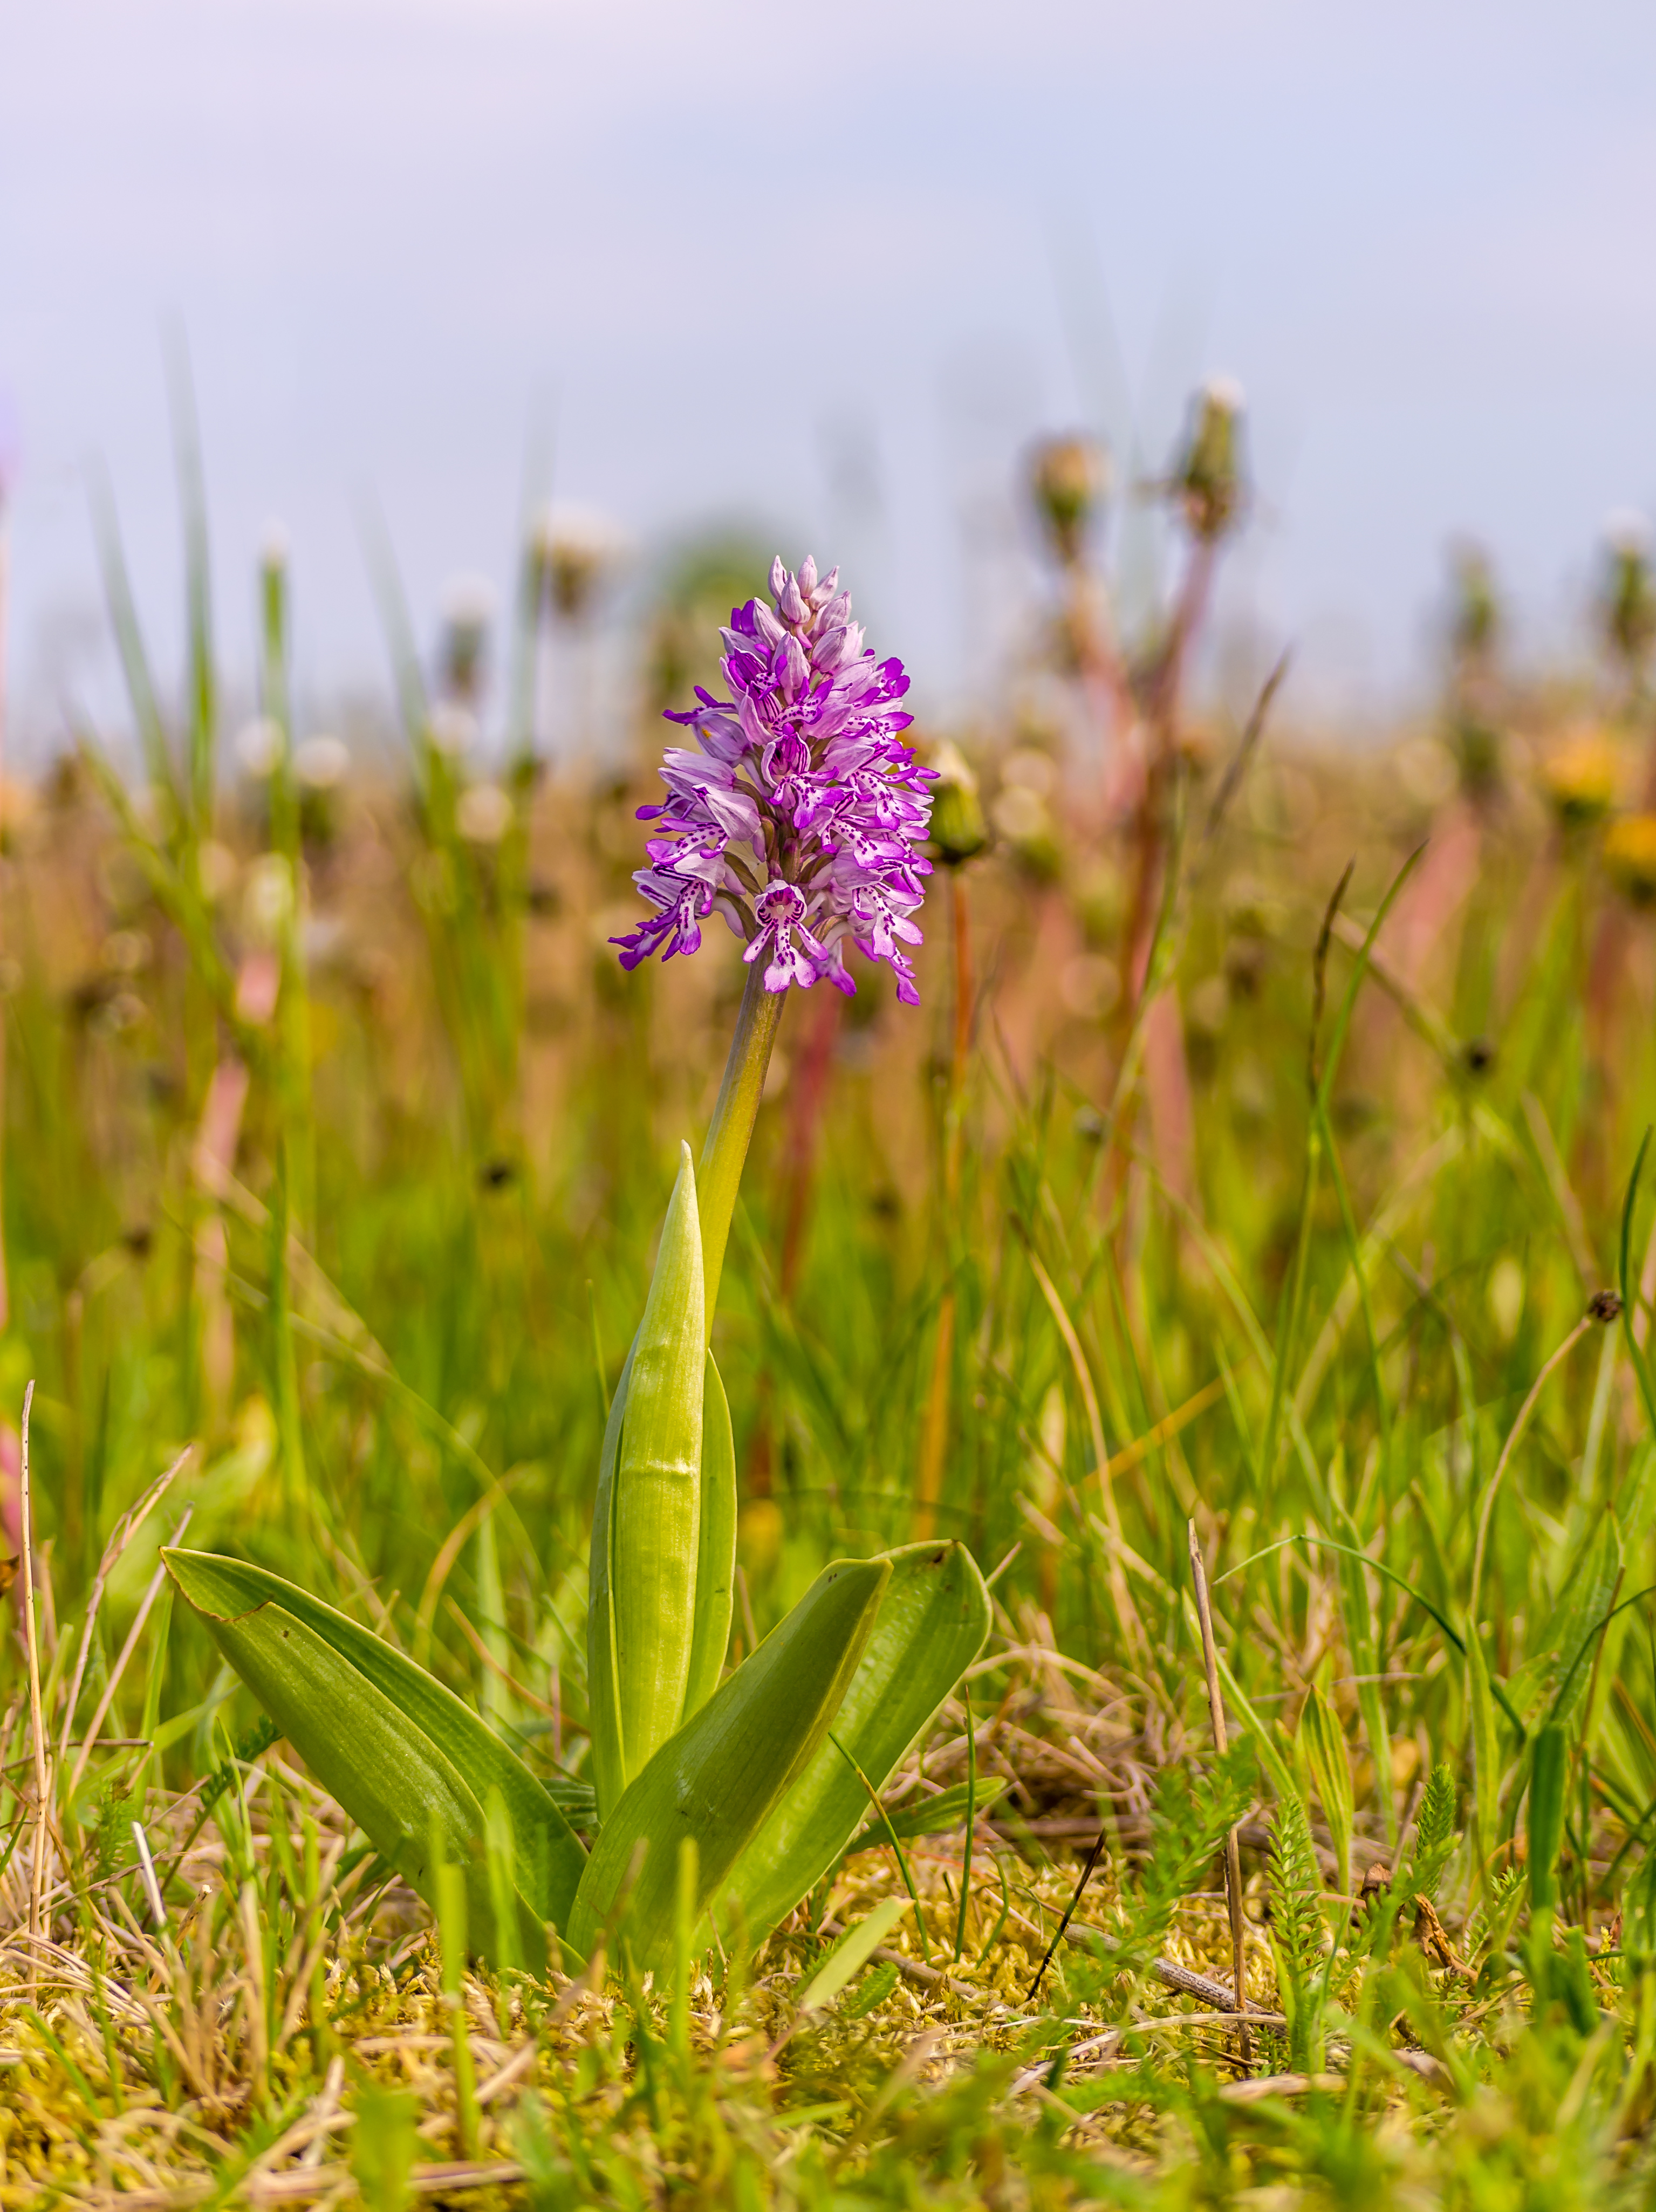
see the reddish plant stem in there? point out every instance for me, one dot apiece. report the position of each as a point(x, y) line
point(934, 1429)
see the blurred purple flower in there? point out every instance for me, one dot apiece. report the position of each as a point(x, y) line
point(802, 816)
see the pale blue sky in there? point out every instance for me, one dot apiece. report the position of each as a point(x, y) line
point(734, 240)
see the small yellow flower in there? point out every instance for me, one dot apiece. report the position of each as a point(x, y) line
point(1580, 779)
point(1630, 858)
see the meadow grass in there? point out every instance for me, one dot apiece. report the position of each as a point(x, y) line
point(336, 1144)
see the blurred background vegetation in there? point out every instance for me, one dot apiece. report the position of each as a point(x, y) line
point(335, 1142)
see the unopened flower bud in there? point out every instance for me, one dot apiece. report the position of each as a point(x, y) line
point(1474, 622)
point(468, 610)
point(1628, 602)
point(1070, 478)
point(958, 828)
point(575, 550)
point(1208, 482)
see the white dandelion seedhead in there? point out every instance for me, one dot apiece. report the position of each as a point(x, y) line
point(321, 763)
point(453, 730)
point(258, 746)
point(468, 602)
point(1627, 532)
point(483, 814)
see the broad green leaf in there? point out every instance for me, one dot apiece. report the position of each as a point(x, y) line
point(852, 1951)
point(719, 1778)
point(642, 1609)
point(605, 1718)
point(654, 1507)
point(1324, 1744)
point(716, 1577)
point(715, 1547)
point(932, 1624)
point(931, 1816)
point(392, 1779)
point(383, 1736)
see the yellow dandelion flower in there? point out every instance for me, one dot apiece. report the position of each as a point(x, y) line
point(1630, 852)
point(1581, 778)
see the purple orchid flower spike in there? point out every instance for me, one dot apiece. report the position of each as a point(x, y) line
point(801, 817)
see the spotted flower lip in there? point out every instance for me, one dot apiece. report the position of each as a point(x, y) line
point(800, 817)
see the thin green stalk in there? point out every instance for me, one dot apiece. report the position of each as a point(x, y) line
point(724, 1153)
point(1641, 1367)
point(129, 636)
point(971, 1822)
point(283, 1362)
point(192, 502)
point(1322, 1091)
point(449, 1883)
point(293, 1013)
point(321, 2027)
point(885, 1819)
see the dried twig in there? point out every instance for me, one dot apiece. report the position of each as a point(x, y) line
point(125, 1530)
point(121, 1665)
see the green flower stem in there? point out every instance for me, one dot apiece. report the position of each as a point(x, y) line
point(718, 1177)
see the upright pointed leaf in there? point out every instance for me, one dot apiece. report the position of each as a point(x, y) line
point(715, 1547)
point(383, 1736)
point(715, 1578)
point(643, 1586)
point(602, 1696)
point(933, 1621)
point(721, 1775)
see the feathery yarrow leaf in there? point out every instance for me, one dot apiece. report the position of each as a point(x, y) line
point(1295, 1882)
point(1435, 1830)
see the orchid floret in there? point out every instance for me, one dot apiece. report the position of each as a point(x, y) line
point(802, 815)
